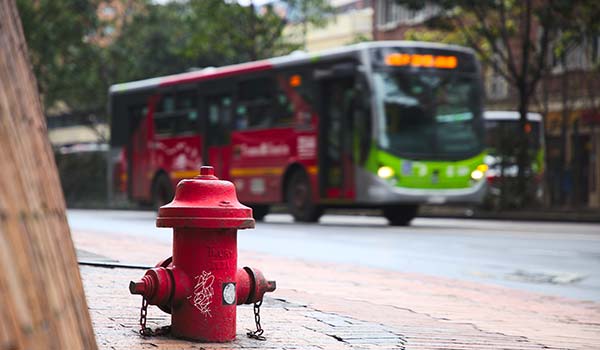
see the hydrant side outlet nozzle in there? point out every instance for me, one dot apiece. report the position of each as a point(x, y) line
point(251, 285)
point(137, 287)
point(156, 286)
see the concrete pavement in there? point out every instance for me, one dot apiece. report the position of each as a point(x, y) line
point(340, 306)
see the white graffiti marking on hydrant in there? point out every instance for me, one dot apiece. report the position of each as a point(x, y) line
point(203, 293)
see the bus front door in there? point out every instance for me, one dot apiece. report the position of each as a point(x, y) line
point(140, 155)
point(217, 148)
point(336, 158)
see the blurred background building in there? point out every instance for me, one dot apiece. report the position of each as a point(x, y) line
point(350, 23)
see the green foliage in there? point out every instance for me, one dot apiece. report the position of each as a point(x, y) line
point(438, 36)
point(579, 25)
point(359, 38)
point(150, 44)
point(233, 33)
point(56, 32)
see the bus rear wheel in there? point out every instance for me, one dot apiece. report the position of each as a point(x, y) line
point(260, 211)
point(299, 199)
point(162, 191)
point(401, 214)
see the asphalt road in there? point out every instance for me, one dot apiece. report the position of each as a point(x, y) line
point(561, 259)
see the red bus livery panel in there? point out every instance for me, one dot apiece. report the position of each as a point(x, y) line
point(260, 160)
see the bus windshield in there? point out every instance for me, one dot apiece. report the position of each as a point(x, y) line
point(428, 115)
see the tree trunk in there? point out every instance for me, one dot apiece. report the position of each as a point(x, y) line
point(43, 304)
point(524, 88)
point(523, 161)
point(564, 124)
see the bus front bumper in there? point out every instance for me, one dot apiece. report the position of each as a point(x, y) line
point(373, 190)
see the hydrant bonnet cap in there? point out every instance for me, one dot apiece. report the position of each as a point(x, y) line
point(205, 202)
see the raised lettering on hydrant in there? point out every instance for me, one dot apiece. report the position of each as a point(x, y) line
point(201, 285)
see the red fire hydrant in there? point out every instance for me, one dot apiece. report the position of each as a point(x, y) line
point(201, 285)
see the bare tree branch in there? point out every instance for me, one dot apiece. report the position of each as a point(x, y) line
point(489, 36)
point(505, 38)
point(482, 53)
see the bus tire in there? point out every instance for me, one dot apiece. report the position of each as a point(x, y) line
point(400, 214)
point(162, 191)
point(260, 211)
point(299, 199)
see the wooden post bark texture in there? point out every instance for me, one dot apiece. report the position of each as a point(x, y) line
point(42, 304)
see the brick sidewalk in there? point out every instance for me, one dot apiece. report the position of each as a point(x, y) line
point(329, 306)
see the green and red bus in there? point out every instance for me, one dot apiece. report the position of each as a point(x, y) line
point(390, 125)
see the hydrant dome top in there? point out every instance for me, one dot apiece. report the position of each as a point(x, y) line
point(205, 202)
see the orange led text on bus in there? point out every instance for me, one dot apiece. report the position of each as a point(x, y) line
point(295, 80)
point(417, 60)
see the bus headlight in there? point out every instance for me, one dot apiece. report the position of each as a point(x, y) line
point(385, 172)
point(479, 172)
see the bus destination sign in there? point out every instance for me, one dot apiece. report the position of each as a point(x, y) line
point(428, 58)
point(420, 60)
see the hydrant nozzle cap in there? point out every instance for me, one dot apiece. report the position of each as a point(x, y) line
point(207, 170)
point(207, 173)
point(137, 287)
point(205, 202)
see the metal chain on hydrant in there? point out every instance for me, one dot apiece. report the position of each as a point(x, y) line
point(147, 331)
point(258, 333)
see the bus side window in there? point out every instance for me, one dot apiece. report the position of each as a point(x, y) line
point(167, 104)
point(177, 114)
point(219, 118)
point(164, 126)
point(255, 104)
point(283, 107)
point(187, 112)
point(299, 102)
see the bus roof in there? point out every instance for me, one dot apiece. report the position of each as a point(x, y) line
point(511, 115)
point(282, 61)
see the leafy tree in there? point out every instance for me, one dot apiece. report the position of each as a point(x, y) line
point(176, 36)
point(150, 44)
point(224, 33)
point(56, 33)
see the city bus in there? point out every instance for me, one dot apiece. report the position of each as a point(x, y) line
point(389, 125)
point(501, 130)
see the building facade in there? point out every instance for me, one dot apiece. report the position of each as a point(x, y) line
point(351, 23)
